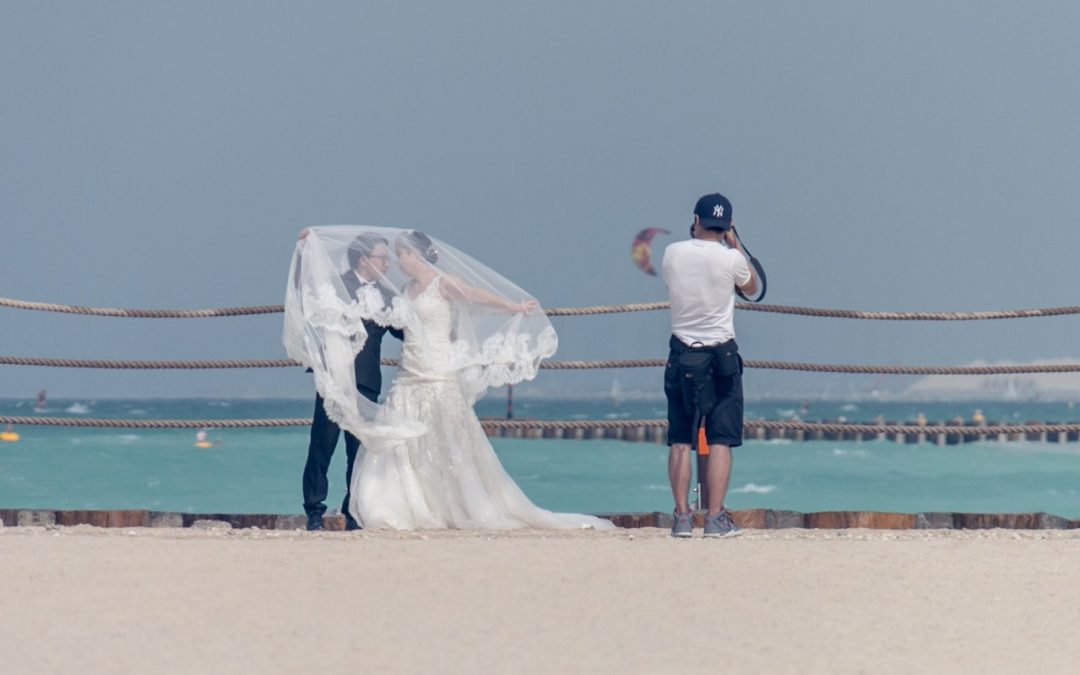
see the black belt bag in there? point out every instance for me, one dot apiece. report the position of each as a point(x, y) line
point(699, 367)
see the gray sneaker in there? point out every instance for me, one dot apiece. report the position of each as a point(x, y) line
point(721, 525)
point(684, 524)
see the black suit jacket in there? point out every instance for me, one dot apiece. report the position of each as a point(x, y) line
point(366, 365)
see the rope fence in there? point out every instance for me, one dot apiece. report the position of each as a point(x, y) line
point(141, 313)
point(566, 311)
point(560, 365)
point(97, 423)
point(567, 425)
point(637, 428)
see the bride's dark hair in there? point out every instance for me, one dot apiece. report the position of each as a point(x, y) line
point(422, 244)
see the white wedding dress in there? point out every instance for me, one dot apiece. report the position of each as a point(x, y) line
point(449, 477)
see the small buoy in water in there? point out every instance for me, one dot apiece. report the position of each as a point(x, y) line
point(8, 435)
point(201, 441)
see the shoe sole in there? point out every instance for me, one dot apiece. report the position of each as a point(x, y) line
point(682, 535)
point(724, 535)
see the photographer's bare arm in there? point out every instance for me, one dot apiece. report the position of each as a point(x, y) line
point(750, 287)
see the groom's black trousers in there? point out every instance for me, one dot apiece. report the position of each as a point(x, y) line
point(325, 434)
point(324, 438)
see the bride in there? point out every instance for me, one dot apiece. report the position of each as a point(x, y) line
point(426, 462)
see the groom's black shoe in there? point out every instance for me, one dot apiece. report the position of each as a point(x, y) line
point(351, 524)
point(314, 522)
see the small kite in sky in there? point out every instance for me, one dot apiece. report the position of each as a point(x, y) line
point(641, 250)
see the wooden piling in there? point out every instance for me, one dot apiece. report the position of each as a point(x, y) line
point(1034, 435)
point(955, 439)
point(639, 433)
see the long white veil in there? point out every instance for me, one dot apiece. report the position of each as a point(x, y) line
point(499, 335)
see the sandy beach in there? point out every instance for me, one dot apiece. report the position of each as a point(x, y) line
point(89, 600)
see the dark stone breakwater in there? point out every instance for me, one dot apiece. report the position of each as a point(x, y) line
point(938, 433)
point(767, 519)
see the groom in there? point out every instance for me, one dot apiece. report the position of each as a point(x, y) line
point(368, 261)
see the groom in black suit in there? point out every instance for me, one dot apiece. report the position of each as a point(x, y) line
point(368, 261)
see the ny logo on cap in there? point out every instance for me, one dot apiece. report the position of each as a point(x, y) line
point(718, 211)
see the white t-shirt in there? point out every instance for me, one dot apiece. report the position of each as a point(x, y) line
point(701, 277)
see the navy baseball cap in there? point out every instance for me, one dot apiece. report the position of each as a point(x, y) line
point(714, 211)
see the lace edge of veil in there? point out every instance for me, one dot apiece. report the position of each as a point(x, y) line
point(502, 360)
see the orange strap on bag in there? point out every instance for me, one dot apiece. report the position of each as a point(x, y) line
point(702, 443)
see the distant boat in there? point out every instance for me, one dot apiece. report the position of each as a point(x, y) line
point(39, 406)
point(616, 393)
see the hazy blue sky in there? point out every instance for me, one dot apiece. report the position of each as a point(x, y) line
point(879, 155)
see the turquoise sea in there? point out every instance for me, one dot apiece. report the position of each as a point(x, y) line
point(258, 471)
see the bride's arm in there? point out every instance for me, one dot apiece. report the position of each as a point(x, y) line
point(456, 289)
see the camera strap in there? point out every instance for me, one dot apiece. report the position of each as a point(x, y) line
point(757, 268)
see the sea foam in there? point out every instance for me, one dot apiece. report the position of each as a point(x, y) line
point(754, 488)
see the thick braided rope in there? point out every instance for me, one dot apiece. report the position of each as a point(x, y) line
point(834, 368)
point(142, 313)
point(567, 311)
point(911, 316)
point(824, 427)
point(561, 365)
point(913, 370)
point(606, 309)
point(567, 425)
point(145, 365)
point(155, 424)
point(930, 429)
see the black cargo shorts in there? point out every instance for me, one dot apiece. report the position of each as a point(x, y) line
point(724, 425)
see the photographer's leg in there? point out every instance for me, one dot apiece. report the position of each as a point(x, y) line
point(680, 435)
point(717, 475)
point(724, 430)
point(679, 475)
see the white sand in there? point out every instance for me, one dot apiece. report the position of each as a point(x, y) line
point(86, 600)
